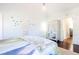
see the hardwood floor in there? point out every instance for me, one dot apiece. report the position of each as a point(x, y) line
point(66, 52)
point(66, 44)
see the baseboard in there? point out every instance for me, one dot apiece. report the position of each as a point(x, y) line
point(76, 48)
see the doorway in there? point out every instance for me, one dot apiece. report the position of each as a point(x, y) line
point(68, 32)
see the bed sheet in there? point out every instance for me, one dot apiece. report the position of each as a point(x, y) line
point(43, 45)
point(30, 45)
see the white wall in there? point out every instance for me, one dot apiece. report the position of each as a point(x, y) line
point(18, 19)
point(13, 24)
point(62, 30)
point(75, 17)
point(0, 26)
point(17, 24)
point(76, 30)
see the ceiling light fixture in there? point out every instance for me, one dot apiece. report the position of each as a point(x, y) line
point(44, 7)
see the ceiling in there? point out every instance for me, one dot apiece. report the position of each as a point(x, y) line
point(35, 9)
point(50, 6)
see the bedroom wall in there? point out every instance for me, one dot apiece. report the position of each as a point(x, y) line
point(23, 20)
point(75, 17)
point(19, 24)
point(76, 30)
point(61, 30)
point(14, 24)
point(0, 26)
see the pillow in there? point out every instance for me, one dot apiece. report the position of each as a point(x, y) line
point(11, 41)
point(11, 44)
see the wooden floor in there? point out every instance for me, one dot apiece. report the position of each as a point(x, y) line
point(66, 44)
point(66, 52)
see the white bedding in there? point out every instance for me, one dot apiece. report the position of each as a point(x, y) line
point(9, 45)
point(41, 45)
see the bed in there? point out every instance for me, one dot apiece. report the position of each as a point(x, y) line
point(28, 45)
